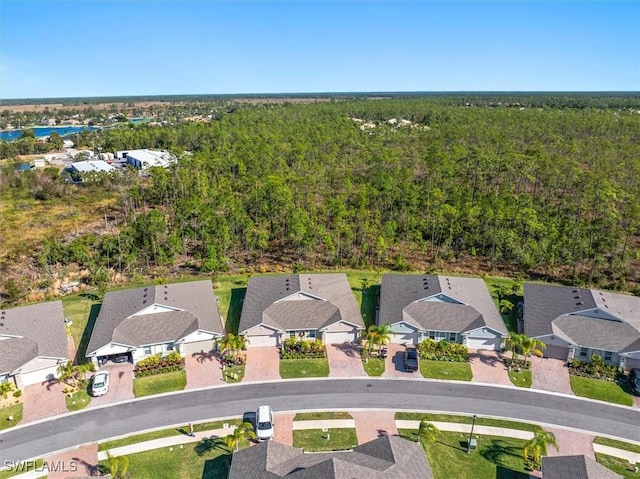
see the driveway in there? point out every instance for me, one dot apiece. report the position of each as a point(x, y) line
point(550, 375)
point(344, 360)
point(263, 363)
point(371, 425)
point(120, 384)
point(488, 367)
point(79, 462)
point(571, 443)
point(283, 428)
point(203, 370)
point(394, 363)
point(43, 400)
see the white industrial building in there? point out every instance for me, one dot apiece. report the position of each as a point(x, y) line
point(145, 159)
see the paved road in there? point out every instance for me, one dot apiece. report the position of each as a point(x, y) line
point(95, 424)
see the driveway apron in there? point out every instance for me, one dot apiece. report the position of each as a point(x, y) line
point(371, 425)
point(203, 370)
point(394, 363)
point(488, 367)
point(283, 428)
point(550, 375)
point(571, 443)
point(120, 384)
point(344, 360)
point(43, 400)
point(263, 363)
point(79, 462)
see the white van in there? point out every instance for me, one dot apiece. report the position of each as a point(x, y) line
point(264, 423)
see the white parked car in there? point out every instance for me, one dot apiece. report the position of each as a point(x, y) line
point(264, 423)
point(100, 383)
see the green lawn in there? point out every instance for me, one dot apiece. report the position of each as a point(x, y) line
point(493, 284)
point(617, 465)
point(14, 410)
point(233, 374)
point(496, 457)
point(319, 440)
point(159, 383)
point(481, 421)
point(445, 370)
point(374, 366)
point(625, 446)
point(317, 416)
point(149, 436)
point(366, 288)
point(83, 310)
point(79, 400)
point(304, 368)
point(183, 463)
point(521, 378)
point(602, 390)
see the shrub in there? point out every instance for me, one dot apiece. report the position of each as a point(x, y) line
point(596, 369)
point(153, 364)
point(443, 351)
point(293, 348)
point(17, 393)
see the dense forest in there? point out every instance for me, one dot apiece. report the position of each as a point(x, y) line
point(550, 190)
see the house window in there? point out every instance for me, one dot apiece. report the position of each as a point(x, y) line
point(431, 334)
point(608, 355)
point(4, 378)
point(440, 335)
point(583, 352)
point(147, 350)
point(312, 334)
point(453, 337)
point(170, 346)
point(292, 334)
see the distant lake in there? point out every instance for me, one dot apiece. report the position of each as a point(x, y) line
point(41, 131)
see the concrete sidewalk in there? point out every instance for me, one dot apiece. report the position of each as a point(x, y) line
point(466, 428)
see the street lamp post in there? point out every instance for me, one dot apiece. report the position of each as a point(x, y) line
point(473, 423)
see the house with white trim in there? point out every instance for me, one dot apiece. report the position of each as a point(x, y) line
point(33, 343)
point(577, 323)
point(304, 306)
point(157, 319)
point(449, 308)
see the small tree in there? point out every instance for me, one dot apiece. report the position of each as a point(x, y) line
point(531, 346)
point(118, 466)
point(427, 431)
point(514, 342)
point(536, 447)
point(243, 432)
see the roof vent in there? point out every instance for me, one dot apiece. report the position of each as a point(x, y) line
point(579, 303)
point(146, 289)
point(144, 302)
point(575, 291)
point(577, 296)
point(1, 324)
point(166, 299)
point(426, 286)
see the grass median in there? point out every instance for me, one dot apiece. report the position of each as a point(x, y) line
point(159, 383)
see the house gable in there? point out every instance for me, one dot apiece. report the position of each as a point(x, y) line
point(402, 327)
point(155, 308)
point(440, 298)
point(300, 296)
point(597, 313)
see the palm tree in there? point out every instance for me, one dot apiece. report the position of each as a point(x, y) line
point(536, 447)
point(118, 466)
point(514, 343)
point(66, 373)
point(531, 346)
point(241, 433)
point(229, 343)
point(427, 431)
point(506, 306)
point(383, 334)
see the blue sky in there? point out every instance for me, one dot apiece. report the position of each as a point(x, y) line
point(81, 48)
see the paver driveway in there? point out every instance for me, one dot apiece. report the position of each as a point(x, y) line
point(488, 367)
point(263, 363)
point(43, 400)
point(371, 425)
point(203, 370)
point(79, 462)
point(394, 363)
point(120, 384)
point(283, 428)
point(571, 443)
point(550, 375)
point(344, 360)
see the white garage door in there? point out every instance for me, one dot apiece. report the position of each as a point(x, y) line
point(405, 338)
point(197, 347)
point(556, 352)
point(263, 340)
point(484, 343)
point(38, 377)
point(340, 337)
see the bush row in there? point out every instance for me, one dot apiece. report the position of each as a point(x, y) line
point(596, 369)
point(443, 351)
point(157, 361)
point(302, 355)
point(154, 372)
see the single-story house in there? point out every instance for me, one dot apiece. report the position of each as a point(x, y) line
point(33, 343)
point(563, 467)
point(579, 322)
point(139, 322)
point(309, 306)
point(390, 457)
point(455, 309)
point(145, 159)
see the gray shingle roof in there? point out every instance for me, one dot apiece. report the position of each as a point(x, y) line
point(316, 300)
point(386, 457)
point(563, 467)
point(41, 327)
point(550, 309)
point(400, 297)
point(194, 304)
